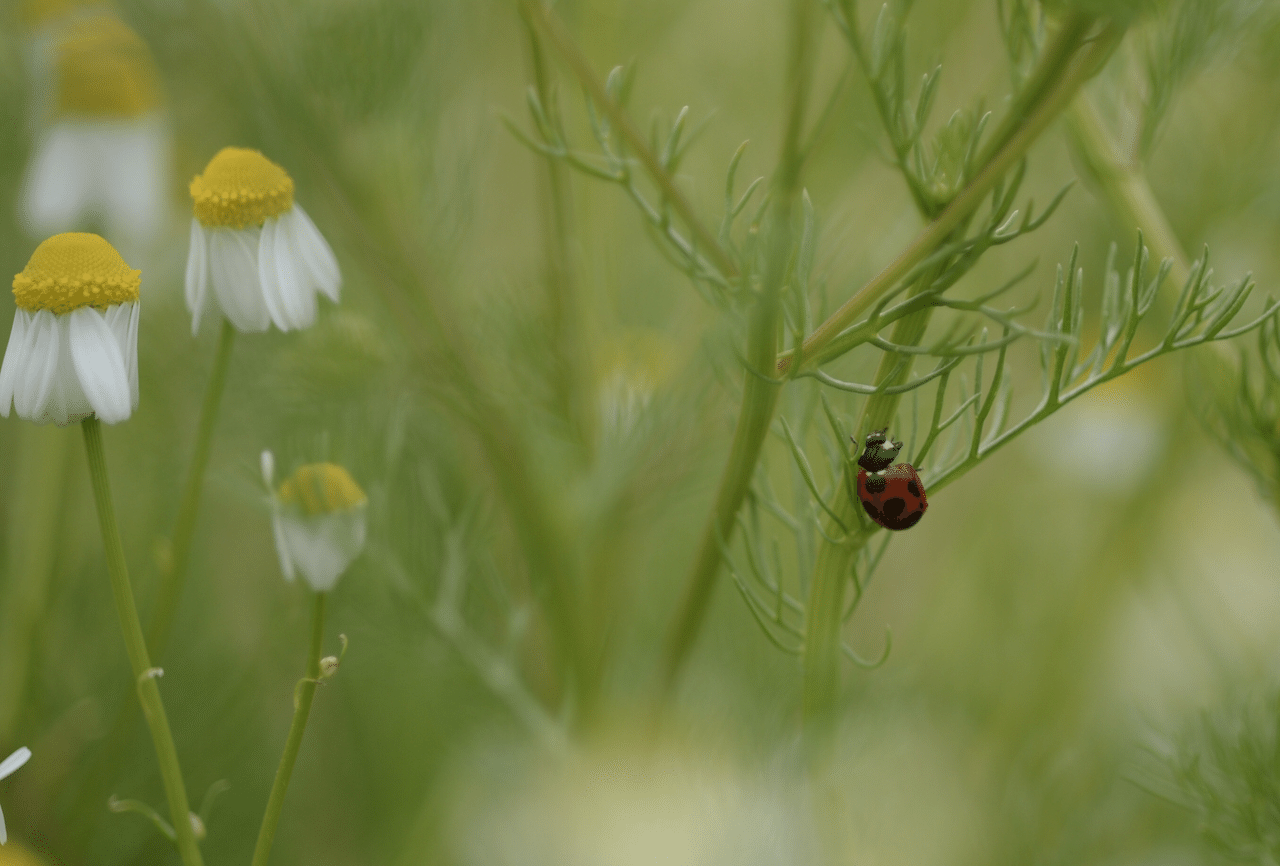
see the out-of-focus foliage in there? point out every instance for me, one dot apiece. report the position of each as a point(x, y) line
point(527, 379)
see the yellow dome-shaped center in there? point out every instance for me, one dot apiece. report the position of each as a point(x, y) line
point(104, 70)
point(321, 488)
point(75, 270)
point(241, 187)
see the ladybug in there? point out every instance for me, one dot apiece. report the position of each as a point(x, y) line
point(892, 496)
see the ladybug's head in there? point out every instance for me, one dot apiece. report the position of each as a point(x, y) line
point(879, 451)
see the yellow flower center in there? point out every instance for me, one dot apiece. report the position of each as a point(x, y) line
point(321, 488)
point(241, 187)
point(105, 71)
point(74, 270)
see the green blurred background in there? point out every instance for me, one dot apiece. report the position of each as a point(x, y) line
point(1053, 617)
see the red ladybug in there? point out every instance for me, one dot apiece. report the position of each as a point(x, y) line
point(892, 496)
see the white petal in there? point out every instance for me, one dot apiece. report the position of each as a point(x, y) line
point(197, 273)
point(56, 193)
point(14, 761)
point(122, 319)
point(314, 250)
point(323, 547)
point(234, 267)
point(14, 359)
point(296, 287)
point(268, 463)
point(33, 385)
point(4, 835)
point(67, 402)
point(100, 366)
point(135, 156)
point(280, 313)
point(282, 545)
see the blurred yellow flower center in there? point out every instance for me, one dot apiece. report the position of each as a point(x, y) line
point(75, 270)
point(104, 70)
point(241, 187)
point(321, 488)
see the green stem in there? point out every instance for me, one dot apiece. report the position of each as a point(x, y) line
point(174, 577)
point(759, 392)
point(136, 645)
point(1073, 70)
point(303, 694)
point(1126, 189)
point(577, 62)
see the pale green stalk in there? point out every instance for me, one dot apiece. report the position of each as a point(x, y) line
point(144, 675)
point(1125, 187)
point(174, 575)
point(33, 541)
point(759, 392)
point(303, 694)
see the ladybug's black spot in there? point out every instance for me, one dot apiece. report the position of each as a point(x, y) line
point(894, 507)
point(871, 511)
point(876, 484)
point(911, 519)
point(913, 488)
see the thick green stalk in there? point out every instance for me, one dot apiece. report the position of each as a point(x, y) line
point(33, 542)
point(759, 392)
point(144, 675)
point(1125, 188)
point(174, 576)
point(1072, 71)
point(825, 607)
point(302, 697)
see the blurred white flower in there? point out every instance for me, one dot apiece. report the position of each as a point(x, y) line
point(264, 256)
point(7, 768)
point(73, 351)
point(105, 154)
point(318, 518)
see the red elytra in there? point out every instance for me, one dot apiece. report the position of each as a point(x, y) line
point(892, 496)
point(894, 499)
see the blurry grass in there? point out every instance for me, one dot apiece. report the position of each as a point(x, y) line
point(996, 733)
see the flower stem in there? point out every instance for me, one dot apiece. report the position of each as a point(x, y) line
point(759, 391)
point(303, 694)
point(175, 576)
point(136, 645)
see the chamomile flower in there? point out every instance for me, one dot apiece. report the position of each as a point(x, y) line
point(7, 768)
point(264, 257)
point(104, 156)
point(318, 517)
point(73, 351)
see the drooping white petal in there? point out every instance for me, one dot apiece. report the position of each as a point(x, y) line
point(32, 388)
point(14, 761)
point(267, 461)
point(122, 319)
point(281, 314)
point(282, 545)
point(67, 402)
point(314, 251)
point(56, 193)
point(100, 366)
point(14, 359)
point(296, 283)
point(322, 547)
point(4, 835)
point(197, 273)
point(233, 265)
point(135, 158)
